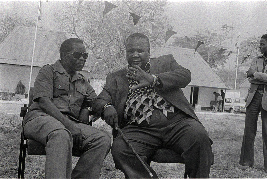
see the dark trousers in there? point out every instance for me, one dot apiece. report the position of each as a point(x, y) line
point(252, 113)
point(59, 143)
point(185, 136)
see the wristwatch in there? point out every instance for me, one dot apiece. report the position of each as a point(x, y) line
point(156, 81)
point(106, 106)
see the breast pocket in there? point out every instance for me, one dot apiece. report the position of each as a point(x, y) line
point(81, 96)
point(61, 87)
point(82, 90)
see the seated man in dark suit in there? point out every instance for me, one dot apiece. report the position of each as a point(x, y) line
point(146, 102)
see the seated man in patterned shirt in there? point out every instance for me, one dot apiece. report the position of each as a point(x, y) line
point(146, 102)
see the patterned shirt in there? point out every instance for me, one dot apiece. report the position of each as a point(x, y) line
point(141, 102)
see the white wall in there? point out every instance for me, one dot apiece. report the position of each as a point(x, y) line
point(10, 75)
point(206, 95)
point(187, 91)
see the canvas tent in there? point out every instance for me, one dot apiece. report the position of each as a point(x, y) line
point(16, 55)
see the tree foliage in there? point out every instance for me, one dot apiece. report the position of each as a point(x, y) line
point(249, 49)
point(105, 35)
point(8, 22)
point(212, 50)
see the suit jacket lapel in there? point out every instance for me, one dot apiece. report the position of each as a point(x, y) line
point(123, 83)
point(154, 68)
point(122, 93)
point(260, 64)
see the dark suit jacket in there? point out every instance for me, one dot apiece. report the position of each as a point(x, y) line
point(173, 77)
point(258, 79)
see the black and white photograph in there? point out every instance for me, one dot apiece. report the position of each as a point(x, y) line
point(133, 89)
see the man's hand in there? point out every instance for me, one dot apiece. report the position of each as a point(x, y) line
point(144, 78)
point(250, 72)
point(77, 136)
point(111, 116)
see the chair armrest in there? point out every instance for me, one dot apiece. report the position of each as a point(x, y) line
point(23, 110)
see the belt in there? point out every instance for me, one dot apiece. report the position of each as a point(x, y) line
point(71, 117)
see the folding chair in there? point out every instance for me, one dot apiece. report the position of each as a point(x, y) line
point(32, 147)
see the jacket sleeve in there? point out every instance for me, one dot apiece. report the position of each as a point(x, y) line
point(90, 95)
point(258, 77)
point(104, 97)
point(43, 85)
point(176, 77)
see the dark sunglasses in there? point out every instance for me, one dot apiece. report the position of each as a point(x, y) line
point(78, 55)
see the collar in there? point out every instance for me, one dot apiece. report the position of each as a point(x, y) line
point(147, 67)
point(60, 69)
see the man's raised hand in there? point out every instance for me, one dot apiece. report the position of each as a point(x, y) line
point(144, 78)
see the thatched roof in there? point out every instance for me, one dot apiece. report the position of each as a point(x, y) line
point(17, 49)
point(201, 73)
point(18, 46)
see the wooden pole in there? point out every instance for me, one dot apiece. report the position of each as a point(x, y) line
point(236, 69)
point(34, 44)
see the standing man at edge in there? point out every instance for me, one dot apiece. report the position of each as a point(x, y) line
point(256, 102)
point(147, 103)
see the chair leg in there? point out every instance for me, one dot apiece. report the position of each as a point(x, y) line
point(186, 174)
point(20, 162)
point(22, 156)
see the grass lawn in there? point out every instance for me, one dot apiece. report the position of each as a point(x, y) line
point(225, 130)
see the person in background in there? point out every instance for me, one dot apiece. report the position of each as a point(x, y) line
point(220, 100)
point(223, 99)
point(58, 117)
point(146, 102)
point(216, 101)
point(256, 102)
